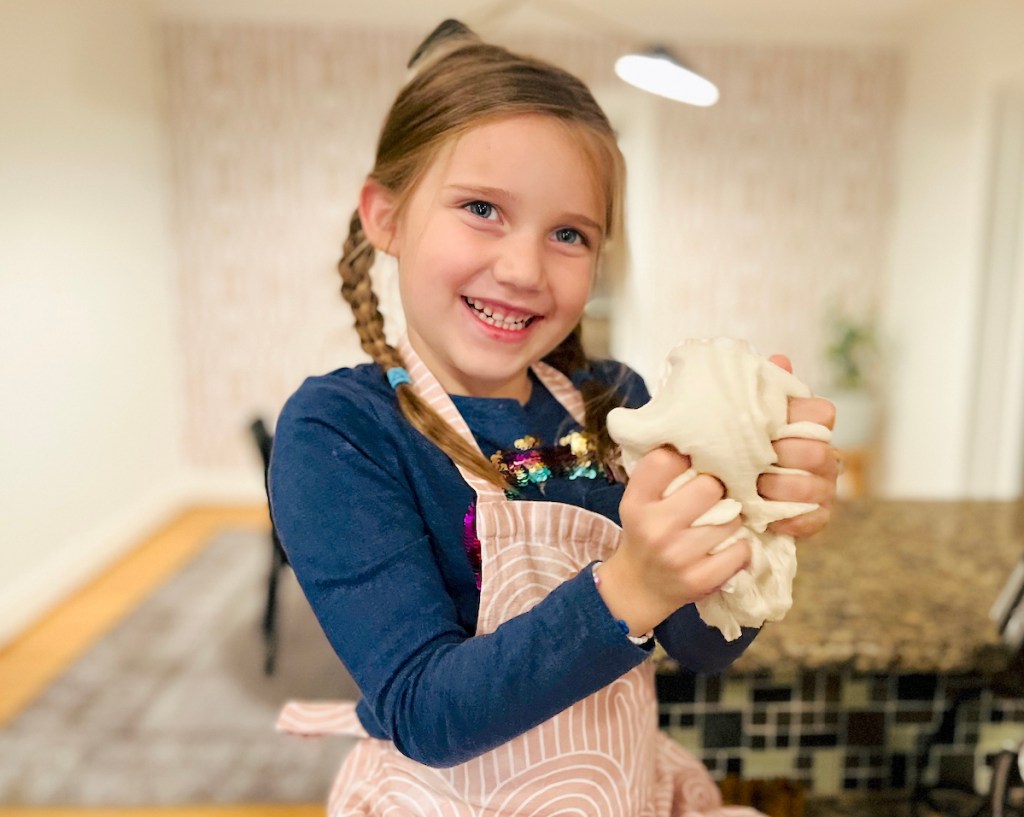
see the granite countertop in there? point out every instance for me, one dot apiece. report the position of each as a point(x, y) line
point(898, 586)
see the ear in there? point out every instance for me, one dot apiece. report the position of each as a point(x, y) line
point(378, 216)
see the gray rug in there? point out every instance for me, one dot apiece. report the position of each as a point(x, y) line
point(172, 707)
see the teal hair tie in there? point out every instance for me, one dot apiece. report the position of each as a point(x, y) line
point(397, 376)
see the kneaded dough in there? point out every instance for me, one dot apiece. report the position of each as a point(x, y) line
point(723, 405)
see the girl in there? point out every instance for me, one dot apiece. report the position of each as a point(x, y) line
point(450, 510)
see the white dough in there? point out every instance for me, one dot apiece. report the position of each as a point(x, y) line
point(723, 405)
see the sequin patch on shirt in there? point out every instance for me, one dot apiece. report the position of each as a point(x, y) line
point(574, 457)
point(471, 542)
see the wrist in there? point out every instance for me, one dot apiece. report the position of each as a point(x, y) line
point(633, 619)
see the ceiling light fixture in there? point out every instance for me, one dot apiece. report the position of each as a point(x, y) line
point(658, 72)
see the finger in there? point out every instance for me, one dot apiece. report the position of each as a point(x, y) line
point(653, 473)
point(782, 362)
point(813, 410)
point(690, 545)
point(796, 488)
point(807, 455)
point(693, 500)
point(803, 526)
point(711, 572)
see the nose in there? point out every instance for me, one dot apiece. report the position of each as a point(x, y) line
point(520, 263)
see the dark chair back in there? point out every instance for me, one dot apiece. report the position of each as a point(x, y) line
point(264, 442)
point(278, 558)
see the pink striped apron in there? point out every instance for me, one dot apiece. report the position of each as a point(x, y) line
point(602, 757)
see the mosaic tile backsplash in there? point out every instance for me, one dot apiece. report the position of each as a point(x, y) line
point(838, 730)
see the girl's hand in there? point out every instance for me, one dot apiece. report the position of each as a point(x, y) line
point(818, 458)
point(662, 563)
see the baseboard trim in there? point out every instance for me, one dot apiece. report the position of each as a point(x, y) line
point(32, 660)
point(28, 597)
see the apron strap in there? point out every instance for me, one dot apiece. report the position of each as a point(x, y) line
point(431, 391)
point(561, 389)
point(315, 718)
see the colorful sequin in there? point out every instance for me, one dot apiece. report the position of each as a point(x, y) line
point(471, 542)
point(530, 462)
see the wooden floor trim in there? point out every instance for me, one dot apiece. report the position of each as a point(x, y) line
point(311, 810)
point(39, 655)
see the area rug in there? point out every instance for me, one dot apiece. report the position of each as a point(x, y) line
point(172, 706)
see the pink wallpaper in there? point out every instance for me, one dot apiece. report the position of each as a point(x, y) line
point(767, 207)
point(778, 198)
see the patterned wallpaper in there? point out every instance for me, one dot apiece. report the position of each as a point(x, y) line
point(779, 198)
point(764, 210)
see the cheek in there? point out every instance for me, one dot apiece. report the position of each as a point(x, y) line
point(445, 263)
point(575, 287)
point(420, 272)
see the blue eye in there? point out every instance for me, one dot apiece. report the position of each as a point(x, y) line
point(483, 209)
point(567, 235)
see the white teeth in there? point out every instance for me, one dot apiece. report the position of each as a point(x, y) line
point(498, 319)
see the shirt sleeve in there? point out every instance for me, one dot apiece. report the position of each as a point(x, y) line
point(349, 521)
point(697, 646)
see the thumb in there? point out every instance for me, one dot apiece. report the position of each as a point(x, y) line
point(654, 472)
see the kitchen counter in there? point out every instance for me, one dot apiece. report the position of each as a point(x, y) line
point(898, 586)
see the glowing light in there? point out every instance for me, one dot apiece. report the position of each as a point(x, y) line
point(659, 73)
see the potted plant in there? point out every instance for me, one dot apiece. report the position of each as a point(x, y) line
point(852, 355)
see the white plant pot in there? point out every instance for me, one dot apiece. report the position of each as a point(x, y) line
point(856, 418)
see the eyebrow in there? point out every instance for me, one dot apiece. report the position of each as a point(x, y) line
point(501, 193)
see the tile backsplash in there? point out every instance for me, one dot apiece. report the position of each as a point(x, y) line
point(837, 730)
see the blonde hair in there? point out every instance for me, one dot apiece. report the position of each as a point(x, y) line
point(459, 83)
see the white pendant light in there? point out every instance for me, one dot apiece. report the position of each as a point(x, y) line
point(658, 72)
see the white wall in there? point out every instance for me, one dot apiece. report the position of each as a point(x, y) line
point(957, 64)
point(89, 372)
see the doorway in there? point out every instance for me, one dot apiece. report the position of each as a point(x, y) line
point(996, 467)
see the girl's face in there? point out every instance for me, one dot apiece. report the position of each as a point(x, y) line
point(497, 248)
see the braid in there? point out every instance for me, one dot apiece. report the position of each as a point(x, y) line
point(357, 289)
point(599, 398)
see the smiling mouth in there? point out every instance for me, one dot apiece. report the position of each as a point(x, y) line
point(496, 318)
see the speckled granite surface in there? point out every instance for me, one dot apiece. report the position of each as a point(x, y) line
point(898, 586)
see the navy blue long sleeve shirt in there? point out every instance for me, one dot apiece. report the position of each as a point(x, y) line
point(371, 515)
